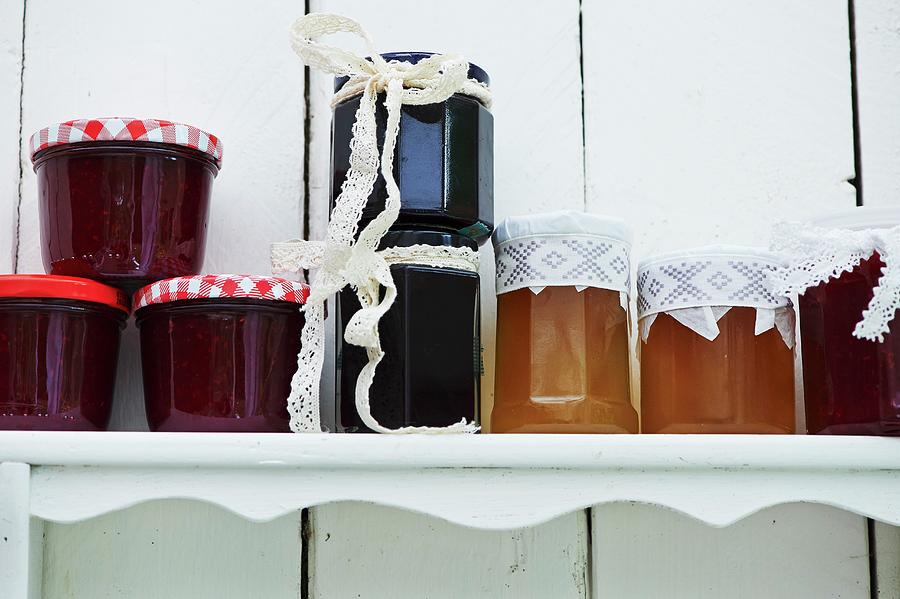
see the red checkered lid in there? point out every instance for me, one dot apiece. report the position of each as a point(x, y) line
point(221, 286)
point(127, 129)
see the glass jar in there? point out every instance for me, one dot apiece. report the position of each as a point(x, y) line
point(59, 343)
point(850, 386)
point(218, 352)
point(443, 164)
point(563, 356)
point(431, 371)
point(124, 201)
point(717, 351)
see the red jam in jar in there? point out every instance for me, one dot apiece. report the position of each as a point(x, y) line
point(124, 201)
point(218, 352)
point(59, 343)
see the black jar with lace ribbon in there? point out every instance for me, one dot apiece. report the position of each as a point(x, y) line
point(431, 371)
point(444, 162)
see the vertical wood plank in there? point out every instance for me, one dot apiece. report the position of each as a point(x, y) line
point(375, 552)
point(11, 36)
point(887, 561)
point(706, 122)
point(538, 157)
point(878, 93)
point(174, 549)
point(225, 67)
point(15, 533)
point(790, 552)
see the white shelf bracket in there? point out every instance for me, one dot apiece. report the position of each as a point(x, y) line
point(15, 516)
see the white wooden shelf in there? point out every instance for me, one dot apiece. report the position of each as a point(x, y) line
point(481, 481)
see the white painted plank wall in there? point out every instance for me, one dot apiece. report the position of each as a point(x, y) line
point(787, 552)
point(174, 549)
point(384, 553)
point(224, 67)
point(878, 92)
point(11, 15)
point(708, 121)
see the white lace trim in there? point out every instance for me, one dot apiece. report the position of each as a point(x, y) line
point(345, 258)
point(816, 255)
point(538, 261)
point(704, 321)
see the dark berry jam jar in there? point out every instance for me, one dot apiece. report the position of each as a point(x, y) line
point(59, 343)
point(851, 386)
point(443, 163)
point(431, 372)
point(218, 352)
point(124, 201)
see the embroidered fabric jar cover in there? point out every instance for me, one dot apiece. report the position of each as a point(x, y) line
point(717, 343)
point(562, 325)
point(431, 372)
point(218, 351)
point(123, 200)
point(851, 381)
point(59, 344)
point(443, 164)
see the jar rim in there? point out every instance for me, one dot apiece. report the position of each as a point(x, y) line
point(127, 130)
point(38, 286)
point(562, 222)
point(221, 286)
point(712, 251)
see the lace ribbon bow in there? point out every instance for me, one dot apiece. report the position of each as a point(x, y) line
point(342, 260)
point(815, 255)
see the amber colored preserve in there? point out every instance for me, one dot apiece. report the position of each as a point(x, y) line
point(737, 383)
point(562, 363)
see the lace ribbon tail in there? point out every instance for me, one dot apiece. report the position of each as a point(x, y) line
point(303, 401)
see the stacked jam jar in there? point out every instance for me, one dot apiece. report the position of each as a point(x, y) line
point(123, 208)
point(430, 375)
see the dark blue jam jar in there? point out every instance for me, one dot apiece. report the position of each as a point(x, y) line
point(431, 372)
point(444, 161)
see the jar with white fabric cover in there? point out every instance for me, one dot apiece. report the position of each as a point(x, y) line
point(717, 343)
point(563, 357)
point(850, 339)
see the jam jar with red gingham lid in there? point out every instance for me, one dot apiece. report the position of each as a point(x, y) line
point(123, 200)
point(59, 343)
point(218, 351)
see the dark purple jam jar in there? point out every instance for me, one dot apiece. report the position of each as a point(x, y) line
point(124, 201)
point(218, 352)
point(443, 163)
point(850, 386)
point(59, 343)
point(431, 372)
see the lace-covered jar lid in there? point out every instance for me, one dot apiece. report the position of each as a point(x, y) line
point(563, 249)
point(699, 286)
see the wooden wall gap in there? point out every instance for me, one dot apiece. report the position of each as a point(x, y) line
point(857, 180)
point(18, 220)
point(873, 553)
point(305, 540)
point(307, 120)
point(589, 555)
point(581, 82)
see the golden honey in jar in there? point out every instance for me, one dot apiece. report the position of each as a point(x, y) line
point(716, 343)
point(562, 325)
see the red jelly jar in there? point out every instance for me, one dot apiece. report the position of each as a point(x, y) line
point(124, 201)
point(218, 351)
point(59, 342)
point(851, 386)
